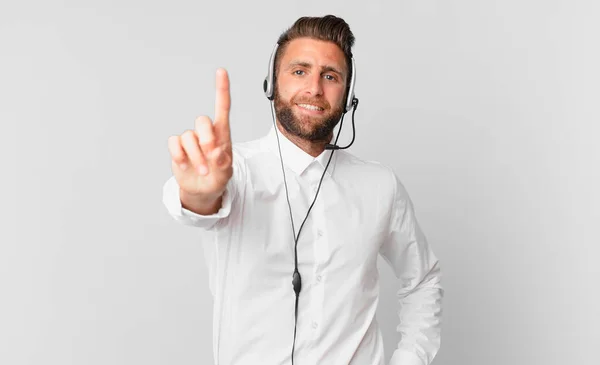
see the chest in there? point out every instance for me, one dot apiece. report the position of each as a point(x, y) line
point(343, 230)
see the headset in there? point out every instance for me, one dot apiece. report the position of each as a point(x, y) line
point(351, 102)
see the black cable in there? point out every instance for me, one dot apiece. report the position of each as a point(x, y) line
point(296, 278)
point(334, 146)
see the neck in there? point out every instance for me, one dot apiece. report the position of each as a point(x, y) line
point(313, 148)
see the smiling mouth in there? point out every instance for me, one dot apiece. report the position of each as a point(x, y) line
point(311, 107)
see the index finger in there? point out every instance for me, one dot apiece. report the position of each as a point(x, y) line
point(222, 103)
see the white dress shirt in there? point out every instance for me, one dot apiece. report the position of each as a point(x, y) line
point(362, 210)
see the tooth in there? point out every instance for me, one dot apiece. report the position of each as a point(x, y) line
point(311, 107)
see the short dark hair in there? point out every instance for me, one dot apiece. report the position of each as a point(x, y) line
point(327, 28)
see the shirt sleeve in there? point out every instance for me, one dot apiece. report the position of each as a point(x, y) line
point(420, 295)
point(172, 201)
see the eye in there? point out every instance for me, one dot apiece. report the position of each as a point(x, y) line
point(299, 72)
point(330, 77)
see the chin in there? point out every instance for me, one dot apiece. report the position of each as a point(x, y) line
point(310, 122)
point(310, 127)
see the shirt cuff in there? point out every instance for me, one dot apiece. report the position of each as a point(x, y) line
point(404, 357)
point(172, 202)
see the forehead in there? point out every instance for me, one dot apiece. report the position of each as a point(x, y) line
point(314, 51)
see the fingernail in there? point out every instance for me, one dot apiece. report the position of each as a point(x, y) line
point(183, 166)
point(202, 170)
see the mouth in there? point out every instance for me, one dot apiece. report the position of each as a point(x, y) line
point(310, 108)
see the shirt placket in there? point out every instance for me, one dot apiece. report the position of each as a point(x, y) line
point(320, 249)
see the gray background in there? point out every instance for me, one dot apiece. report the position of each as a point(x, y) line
point(487, 110)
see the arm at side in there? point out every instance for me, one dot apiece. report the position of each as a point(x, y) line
point(420, 294)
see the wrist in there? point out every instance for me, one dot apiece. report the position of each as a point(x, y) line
point(203, 204)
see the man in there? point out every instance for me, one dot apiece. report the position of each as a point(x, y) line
point(251, 200)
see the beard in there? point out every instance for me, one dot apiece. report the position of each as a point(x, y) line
point(314, 129)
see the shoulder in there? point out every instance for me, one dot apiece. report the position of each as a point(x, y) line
point(379, 176)
point(250, 148)
point(248, 155)
point(372, 171)
point(242, 151)
point(247, 148)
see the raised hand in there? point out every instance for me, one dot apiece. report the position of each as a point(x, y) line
point(201, 158)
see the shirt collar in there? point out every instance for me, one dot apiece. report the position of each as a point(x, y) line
point(293, 156)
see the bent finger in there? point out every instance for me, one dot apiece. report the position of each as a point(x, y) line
point(177, 153)
point(192, 149)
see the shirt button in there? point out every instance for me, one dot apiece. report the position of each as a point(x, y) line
point(319, 233)
point(315, 325)
point(318, 278)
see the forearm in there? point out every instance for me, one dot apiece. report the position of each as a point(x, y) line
point(420, 320)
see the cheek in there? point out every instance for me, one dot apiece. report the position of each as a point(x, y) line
point(335, 96)
point(286, 89)
point(285, 94)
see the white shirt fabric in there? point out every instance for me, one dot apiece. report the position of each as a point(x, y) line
point(362, 210)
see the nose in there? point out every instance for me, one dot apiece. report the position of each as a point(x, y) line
point(314, 85)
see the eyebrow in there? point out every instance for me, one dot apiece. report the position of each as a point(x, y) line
point(326, 68)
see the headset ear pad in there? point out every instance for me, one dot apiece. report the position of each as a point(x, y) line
point(265, 83)
point(269, 83)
